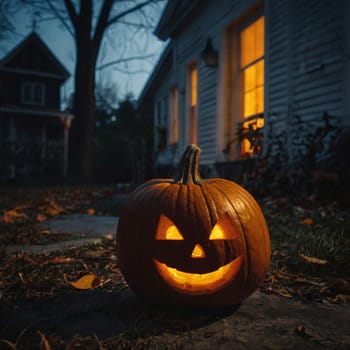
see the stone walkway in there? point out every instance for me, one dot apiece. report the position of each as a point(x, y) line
point(84, 229)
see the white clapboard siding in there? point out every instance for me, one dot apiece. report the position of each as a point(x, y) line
point(277, 49)
point(304, 72)
point(210, 21)
point(304, 54)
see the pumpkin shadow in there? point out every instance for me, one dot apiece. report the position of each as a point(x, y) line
point(148, 318)
point(107, 314)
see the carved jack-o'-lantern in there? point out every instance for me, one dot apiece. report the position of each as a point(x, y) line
point(206, 268)
point(193, 241)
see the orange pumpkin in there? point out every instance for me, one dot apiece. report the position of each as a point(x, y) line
point(193, 241)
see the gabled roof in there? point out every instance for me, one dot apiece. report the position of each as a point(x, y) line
point(175, 13)
point(34, 43)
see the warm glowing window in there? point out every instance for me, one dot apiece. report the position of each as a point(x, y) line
point(194, 85)
point(174, 115)
point(193, 98)
point(252, 76)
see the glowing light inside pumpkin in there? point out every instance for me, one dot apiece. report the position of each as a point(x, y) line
point(167, 230)
point(217, 232)
point(173, 233)
point(198, 252)
point(196, 283)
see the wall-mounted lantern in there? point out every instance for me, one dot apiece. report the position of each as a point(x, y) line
point(210, 55)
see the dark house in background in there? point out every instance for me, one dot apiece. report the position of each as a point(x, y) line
point(33, 130)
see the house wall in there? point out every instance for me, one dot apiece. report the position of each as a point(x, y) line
point(162, 120)
point(12, 82)
point(347, 65)
point(306, 69)
point(305, 65)
point(188, 45)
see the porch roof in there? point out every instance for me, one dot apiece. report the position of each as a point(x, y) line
point(32, 111)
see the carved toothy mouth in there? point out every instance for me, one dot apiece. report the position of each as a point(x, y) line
point(199, 283)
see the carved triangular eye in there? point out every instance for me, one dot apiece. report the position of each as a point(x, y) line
point(167, 230)
point(224, 229)
point(217, 232)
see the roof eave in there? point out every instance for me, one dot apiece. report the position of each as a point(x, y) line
point(171, 20)
point(151, 81)
point(34, 37)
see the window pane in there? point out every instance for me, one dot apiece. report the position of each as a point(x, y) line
point(252, 42)
point(247, 45)
point(250, 78)
point(37, 94)
point(260, 73)
point(249, 104)
point(253, 96)
point(194, 83)
point(193, 100)
point(259, 32)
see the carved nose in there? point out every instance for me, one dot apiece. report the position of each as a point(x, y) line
point(198, 252)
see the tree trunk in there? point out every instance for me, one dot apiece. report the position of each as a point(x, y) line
point(84, 121)
point(84, 97)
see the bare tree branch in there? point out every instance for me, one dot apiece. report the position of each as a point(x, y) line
point(60, 17)
point(72, 13)
point(130, 10)
point(121, 60)
point(102, 23)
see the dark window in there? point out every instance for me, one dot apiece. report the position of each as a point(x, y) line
point(33, 93)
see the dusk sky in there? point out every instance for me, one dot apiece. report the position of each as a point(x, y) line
point(125, 78)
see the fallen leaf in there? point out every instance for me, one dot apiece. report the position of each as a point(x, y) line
point(44, 341)
point(89, 281)
point(307, 221)
point(343, 298)
point(41, 217)
point(91, 211)
point(14, 213)
point(313, 260)
point(7, 219)
point(9, 215)
point(54, 211)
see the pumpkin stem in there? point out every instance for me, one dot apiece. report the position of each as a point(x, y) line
point(188, 169)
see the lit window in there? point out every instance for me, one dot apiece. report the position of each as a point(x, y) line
point(193, 97)
point(174, 115)
point(33, 93)
point(252, 77)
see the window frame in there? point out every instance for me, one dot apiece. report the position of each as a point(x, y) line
point(232, 83)
point(254, 118)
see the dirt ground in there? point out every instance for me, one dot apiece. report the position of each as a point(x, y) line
point(120, 321)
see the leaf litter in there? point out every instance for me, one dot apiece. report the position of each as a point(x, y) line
point(308, 263)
